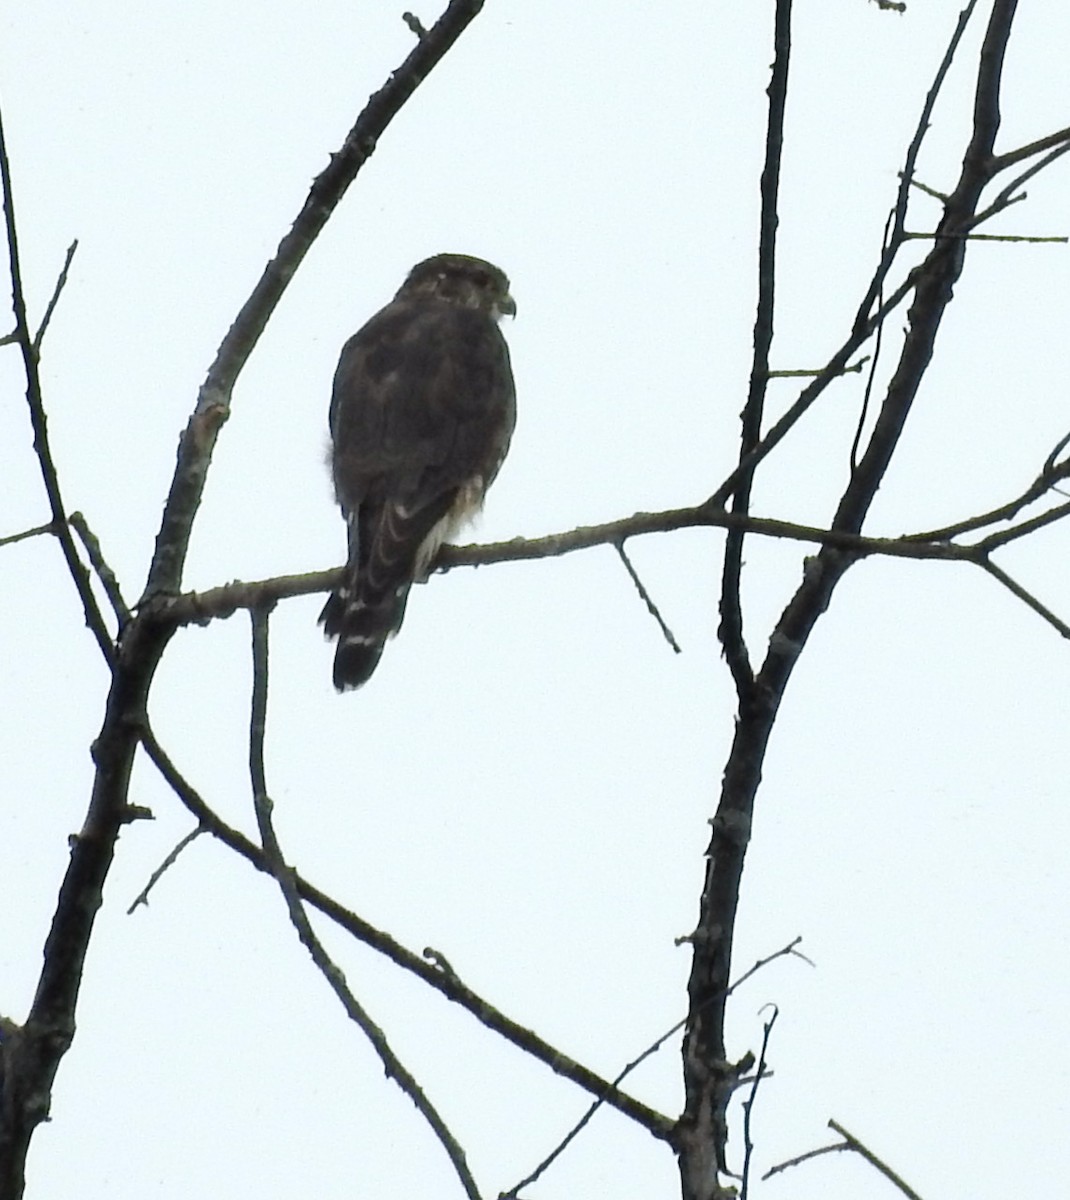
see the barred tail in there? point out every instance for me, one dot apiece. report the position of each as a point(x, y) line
point(362, 626)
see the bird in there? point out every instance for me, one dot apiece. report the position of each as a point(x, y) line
point(422, 412)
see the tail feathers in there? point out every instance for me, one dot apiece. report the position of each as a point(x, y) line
point(362, 627)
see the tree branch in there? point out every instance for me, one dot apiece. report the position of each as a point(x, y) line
point(37, 530)
point(32, 1061)
point(867, 321)
point(100, 564)
point(445, 981)
point(748, 1105)
point(57, 291)
point(284, 877)
point(789, 950)
point(645, 596)
point(709, 1075)
point(213, 402)
point(93, 618)
point(850, 1142)
point(730, 629)
point(1013, 157)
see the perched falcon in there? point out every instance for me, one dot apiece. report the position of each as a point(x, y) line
point(421, 416)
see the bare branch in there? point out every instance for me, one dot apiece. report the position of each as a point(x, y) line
point(61, 283)
point(1050, 463)
point(193, 608)
point(710, 1077)
point(143, 896)
point(994, 540)
point(285, 878)
point(1051, 473)
point(748, 1105)
point(47, 1033)
point(867, 320)
point(99, 564)
point(993, 237)
point(859, 1148)
point(835, 368)
point(850, 1142)
point(37, 530)
point(924, 187)
point(644, 595)
point(653, 1048)
point(200, 608)
point(810, 373)
point(445, 981)
point(213, 402)
point(1013, 157)
point(1027, 598)
point(1007, 196)
point(730, 629)
point(894, 240)
point(788, 1163)
point(93, 618)
point(871, 374)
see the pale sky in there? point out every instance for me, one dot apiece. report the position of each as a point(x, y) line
point(525, 784)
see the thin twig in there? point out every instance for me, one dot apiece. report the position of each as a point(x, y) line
point(799, 1159)
point(867, 394)
point(906, 175)
point(1013, 157)
point(356, 1012)
point(1027, 598)
point(1050, 463)
point(811, 373)
point(809, 396)
point(1002, 537)
point(61, 283)
point(924, 187)
point(867, 320)
point(989, 237)
point(860, 1148)
point(1050, 474)
point(789, 950)
point(748, 1106)
point(100, 564)
point(143, 896)
point(1007, 197)
point(644, 595)
point(12, 538)
point(850, 1142)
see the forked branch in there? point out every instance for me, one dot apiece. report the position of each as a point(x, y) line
point(32, 1055)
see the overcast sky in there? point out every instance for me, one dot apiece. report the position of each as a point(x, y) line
point(525, 784)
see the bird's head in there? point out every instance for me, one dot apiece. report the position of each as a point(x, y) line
point(464, 280)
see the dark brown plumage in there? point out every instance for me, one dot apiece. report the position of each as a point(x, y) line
point(421, 416)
